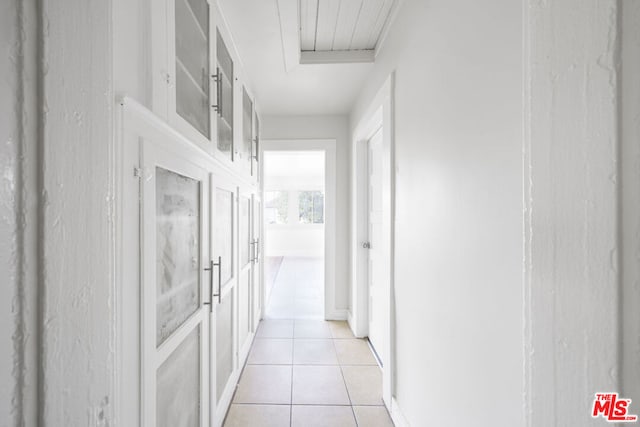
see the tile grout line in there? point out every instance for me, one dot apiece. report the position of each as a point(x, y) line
point(293, 347)
point(345, 383)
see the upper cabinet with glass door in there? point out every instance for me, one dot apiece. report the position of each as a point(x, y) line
point(191, 96)
point(245, 151)
point(192, 64)
point(255, 148)
point(224, 107)
point(198, 87)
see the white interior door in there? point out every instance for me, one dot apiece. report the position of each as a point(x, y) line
point(175, 321)
point(222, 317)
point(376, 261)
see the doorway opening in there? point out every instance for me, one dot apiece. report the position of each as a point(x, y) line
point(294, 226)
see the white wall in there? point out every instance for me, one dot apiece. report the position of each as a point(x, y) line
point(630, 179)
point(56, 214)
point(324, 127)
point(18, 213)
point(77, 218)
point(581, 254)
point(458, 281)
point(132, 50)
point(304, 240)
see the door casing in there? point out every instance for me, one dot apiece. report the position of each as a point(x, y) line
point(378, 115)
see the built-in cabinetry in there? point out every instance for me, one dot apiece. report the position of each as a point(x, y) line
point(198, 87)
point(196, 160)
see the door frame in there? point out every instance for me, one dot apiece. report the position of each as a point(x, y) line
point(379, 114)
point(328, 146)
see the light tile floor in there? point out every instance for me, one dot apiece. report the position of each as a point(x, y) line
point(307, 373)
point(297, 288)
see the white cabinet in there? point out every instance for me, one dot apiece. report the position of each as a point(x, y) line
point(192, 95)
point(206, 324)
point(197, 86)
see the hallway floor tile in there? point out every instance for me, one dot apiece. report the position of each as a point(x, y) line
point(308, 373)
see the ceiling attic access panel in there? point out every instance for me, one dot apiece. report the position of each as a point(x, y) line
point(341, 30)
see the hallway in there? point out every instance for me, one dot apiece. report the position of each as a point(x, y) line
point(469, 206)
point(307, 373)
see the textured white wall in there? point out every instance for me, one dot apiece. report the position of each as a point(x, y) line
point(630, 178)
point(76, 291)
point(572, 251)
point(458, 280)
point(324, 127)
point(18, 213)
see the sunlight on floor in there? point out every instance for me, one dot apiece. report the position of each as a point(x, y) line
point(297, 288)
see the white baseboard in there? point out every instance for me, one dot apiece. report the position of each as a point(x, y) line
point(396, 414)
point(244, 351)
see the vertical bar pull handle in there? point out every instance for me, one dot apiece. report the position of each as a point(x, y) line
point(255, 248)
point(210, 270)
point(217, 77)
point(219, 265)
point(211, 294)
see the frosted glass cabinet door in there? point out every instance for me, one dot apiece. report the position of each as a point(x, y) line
point(246, 150)
point(225, 98)
point(224, 344)
point(193, 102)
point(178, 384)
point(174, 333)
point(177, 251)
point(244, 283)
point(245, 231)
point(224, 338)
point(223, 237)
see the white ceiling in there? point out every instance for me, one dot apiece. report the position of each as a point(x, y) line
point(270, 55)
point(327, 25)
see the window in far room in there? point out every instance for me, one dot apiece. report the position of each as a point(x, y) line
point(311, 207)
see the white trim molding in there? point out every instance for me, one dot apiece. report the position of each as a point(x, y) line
point(337, 56)
point(397, 416)
point(379, 115)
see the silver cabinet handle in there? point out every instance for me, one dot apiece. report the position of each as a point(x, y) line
point(256, 251)
point(217, 78)
point(253, 251)
point(210, 270)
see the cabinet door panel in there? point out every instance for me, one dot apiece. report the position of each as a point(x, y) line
point(225, 97)
point(174, 242)
point(192, 59)
point(178, 382)
point(177, 250)
point(246, 150)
